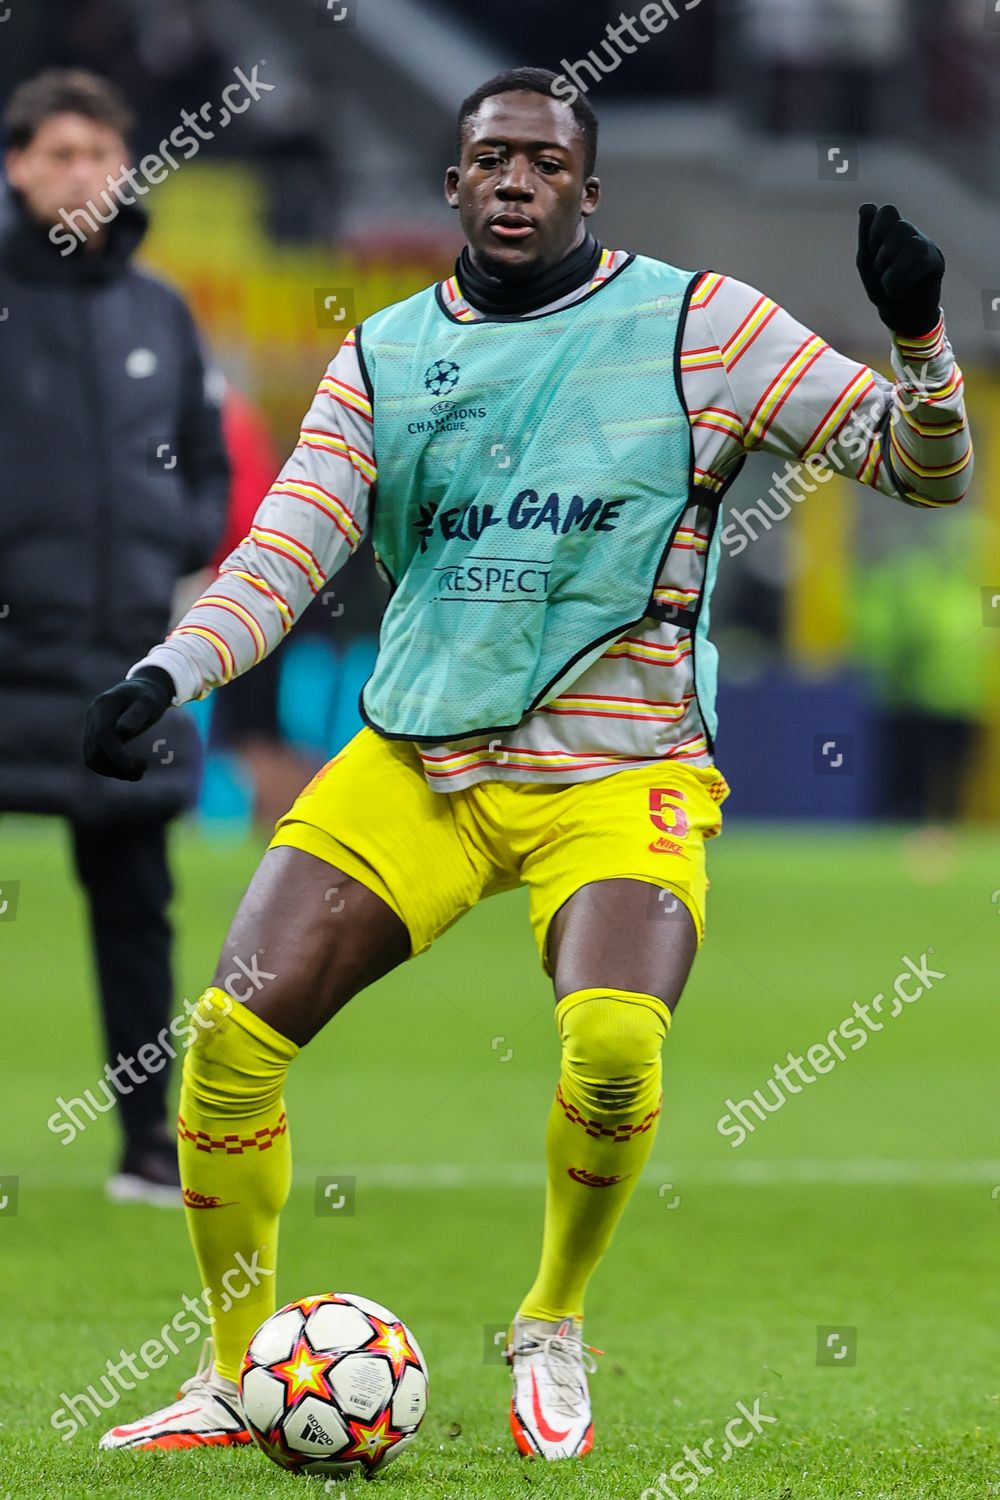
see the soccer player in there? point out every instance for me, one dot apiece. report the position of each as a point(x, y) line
point(550, 433)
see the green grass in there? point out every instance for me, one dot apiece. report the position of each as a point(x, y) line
point(866, 1202)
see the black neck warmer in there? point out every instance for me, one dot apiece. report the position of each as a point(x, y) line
point(489, 295)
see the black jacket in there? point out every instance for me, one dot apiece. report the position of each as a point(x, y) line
point(113, 484)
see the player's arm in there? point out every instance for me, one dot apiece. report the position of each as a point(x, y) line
point(309, 523)
point(789, 393)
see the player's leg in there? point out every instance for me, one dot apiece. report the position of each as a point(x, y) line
point(293, 957)
point(619, 970)
point(619, 947)
point(617, 978)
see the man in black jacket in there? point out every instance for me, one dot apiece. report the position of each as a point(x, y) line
point(114, 485)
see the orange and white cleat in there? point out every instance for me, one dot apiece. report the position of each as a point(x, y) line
point(550, 1413)
point(207, 1414)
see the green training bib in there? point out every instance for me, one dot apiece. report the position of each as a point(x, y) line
point(531, 475)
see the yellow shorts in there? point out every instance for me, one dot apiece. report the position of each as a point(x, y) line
point(431, 856)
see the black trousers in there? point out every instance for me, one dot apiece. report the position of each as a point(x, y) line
point(123, 869)
point(926, 766)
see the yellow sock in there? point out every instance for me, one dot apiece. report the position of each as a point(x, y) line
point(236, 1165)
point(601, 1129)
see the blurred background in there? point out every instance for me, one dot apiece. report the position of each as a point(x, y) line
point(741, 138)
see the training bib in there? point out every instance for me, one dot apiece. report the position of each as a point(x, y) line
point(531, 475)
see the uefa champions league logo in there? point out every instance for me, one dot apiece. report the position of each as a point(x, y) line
point(442, 377)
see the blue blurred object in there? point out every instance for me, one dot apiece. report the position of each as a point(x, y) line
point(318, 692)
point(228, 794)
point(356, 666)
point(200, 710)
point(307, 688)
point(318, 689)
point(795, 748)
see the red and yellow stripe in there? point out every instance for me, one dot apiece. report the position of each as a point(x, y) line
point(331, 506)
point(440, 767)
point(718, 419)
point(334, 442)
point(346, 395)
point(615, 706)
point(253, 626)
point(650, 652)
point(753, 325)
point(706, 289)
point(777, 392)
point(296, 552)
point(281, 604)
point(227, 661)
point(842, 409)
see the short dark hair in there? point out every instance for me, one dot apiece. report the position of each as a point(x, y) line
point(534, 81)
point(63, 91)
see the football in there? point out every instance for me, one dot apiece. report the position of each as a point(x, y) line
point(332, 1384)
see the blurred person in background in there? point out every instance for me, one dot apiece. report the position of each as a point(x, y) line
point(821, 62)
point(955, 89)
point(161, 56)
point(921, 639)
point(115, 486)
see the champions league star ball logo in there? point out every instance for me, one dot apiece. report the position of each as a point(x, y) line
point(442, 377)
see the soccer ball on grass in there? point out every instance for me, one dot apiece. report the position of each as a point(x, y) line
point(333, 1383)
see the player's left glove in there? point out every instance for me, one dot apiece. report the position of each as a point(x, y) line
point(902, 270)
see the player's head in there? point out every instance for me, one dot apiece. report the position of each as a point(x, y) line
point(65, 132)
point(525, 180)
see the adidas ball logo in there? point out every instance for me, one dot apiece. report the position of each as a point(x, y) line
point(313, 1431)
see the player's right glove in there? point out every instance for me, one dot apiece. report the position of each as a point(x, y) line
point(120, 714)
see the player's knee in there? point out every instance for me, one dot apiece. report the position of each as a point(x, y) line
point(611, 1047)
point(227, 1068)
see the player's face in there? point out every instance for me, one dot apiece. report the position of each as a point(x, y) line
point(520, 188)
point(65, 165)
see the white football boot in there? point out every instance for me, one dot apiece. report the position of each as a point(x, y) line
point(207, 1414)
point(550, 1414)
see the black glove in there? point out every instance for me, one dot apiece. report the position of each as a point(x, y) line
point(902, 271)
point(119, 715)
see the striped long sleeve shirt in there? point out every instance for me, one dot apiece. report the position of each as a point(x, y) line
point(753, 379)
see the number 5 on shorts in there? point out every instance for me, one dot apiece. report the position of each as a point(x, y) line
point(660, 800)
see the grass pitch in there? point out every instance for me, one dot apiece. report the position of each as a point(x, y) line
point(866, 1208)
